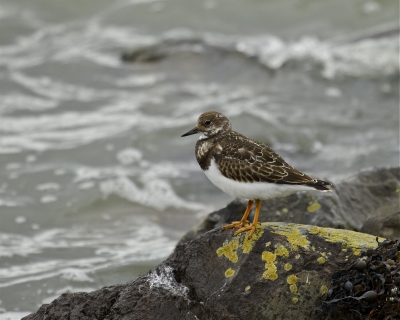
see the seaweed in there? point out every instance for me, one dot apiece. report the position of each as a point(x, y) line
point(369, 289)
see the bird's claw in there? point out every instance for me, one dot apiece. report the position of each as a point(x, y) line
point(252, 228)
point(236, 224)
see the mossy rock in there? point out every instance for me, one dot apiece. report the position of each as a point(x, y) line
point(282, 272)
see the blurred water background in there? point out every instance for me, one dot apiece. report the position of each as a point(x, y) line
point(96, 184)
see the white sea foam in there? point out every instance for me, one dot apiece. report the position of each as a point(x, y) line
point(13, 315)
point(366, 58)
point(154, 193)
point(129, 156)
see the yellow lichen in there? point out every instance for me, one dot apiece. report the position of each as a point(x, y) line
point(285, 210)
point(278, 213)
point(292, 279)
point(269, 258)
point(270, 274)
point(293, 235)
point(268, 244)
point(319, 231)
point(248, 244)
point(281, 251)
point(287, 266)
point(321, 260)
point(349, 239)
point(229, 273)
point(313, 206)
point(229, 250)
point(295, 299)
point(247, 288)
point(323, 290)
point(297, 256)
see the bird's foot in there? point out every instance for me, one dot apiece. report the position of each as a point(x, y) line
point(251, 227)
point(236, 224)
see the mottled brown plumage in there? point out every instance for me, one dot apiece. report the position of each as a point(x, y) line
point(246, 160)
point(245, 167)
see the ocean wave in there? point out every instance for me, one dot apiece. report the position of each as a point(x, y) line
point(368, 57)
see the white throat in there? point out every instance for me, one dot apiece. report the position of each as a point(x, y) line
point(203, 136)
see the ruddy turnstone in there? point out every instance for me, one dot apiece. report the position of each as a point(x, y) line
point(245, 168)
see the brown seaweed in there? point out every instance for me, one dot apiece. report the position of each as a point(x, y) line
point(369, 289)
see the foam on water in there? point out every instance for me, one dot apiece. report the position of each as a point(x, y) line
point(103, 251)
point(13, 315)
point(367, 58)
point(155, 193)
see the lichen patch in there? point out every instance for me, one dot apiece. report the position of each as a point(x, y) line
point(355, 241)
point(323, 290)
point(292, 279)
point(270, 273)
point(287, 267)
point(248, 244)
point(321, 260)
point(229, 273)
point(268, 256)
point(270, 265)
point(313, 206)
point(229, 250)
point(281, 251)
point(293, 235)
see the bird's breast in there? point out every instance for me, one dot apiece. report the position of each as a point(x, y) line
point(205, 151)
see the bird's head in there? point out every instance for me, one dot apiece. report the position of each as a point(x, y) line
point(210, 124)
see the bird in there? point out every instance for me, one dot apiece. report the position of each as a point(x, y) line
point(245, 168)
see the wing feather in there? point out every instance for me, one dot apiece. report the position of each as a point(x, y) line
point(247, 160)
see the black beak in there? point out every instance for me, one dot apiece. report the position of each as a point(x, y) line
point(190, 132)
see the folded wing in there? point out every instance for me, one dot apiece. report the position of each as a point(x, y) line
point(247, 160)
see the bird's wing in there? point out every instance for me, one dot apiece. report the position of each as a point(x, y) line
point(247, 160)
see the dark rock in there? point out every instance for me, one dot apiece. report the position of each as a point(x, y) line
point(168, 47)
point(347, 207)
point(385, 222)
point(281, 273)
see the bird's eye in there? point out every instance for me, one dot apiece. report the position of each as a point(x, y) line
point(207, 122)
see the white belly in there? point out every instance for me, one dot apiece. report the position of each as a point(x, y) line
point(248, 190)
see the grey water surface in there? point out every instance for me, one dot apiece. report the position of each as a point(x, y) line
point(96, 185)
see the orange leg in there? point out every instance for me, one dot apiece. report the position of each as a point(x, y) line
point(253, 226)
point(243, 221)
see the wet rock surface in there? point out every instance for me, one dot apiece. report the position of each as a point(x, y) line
point(351, 203)
point(282, 272)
